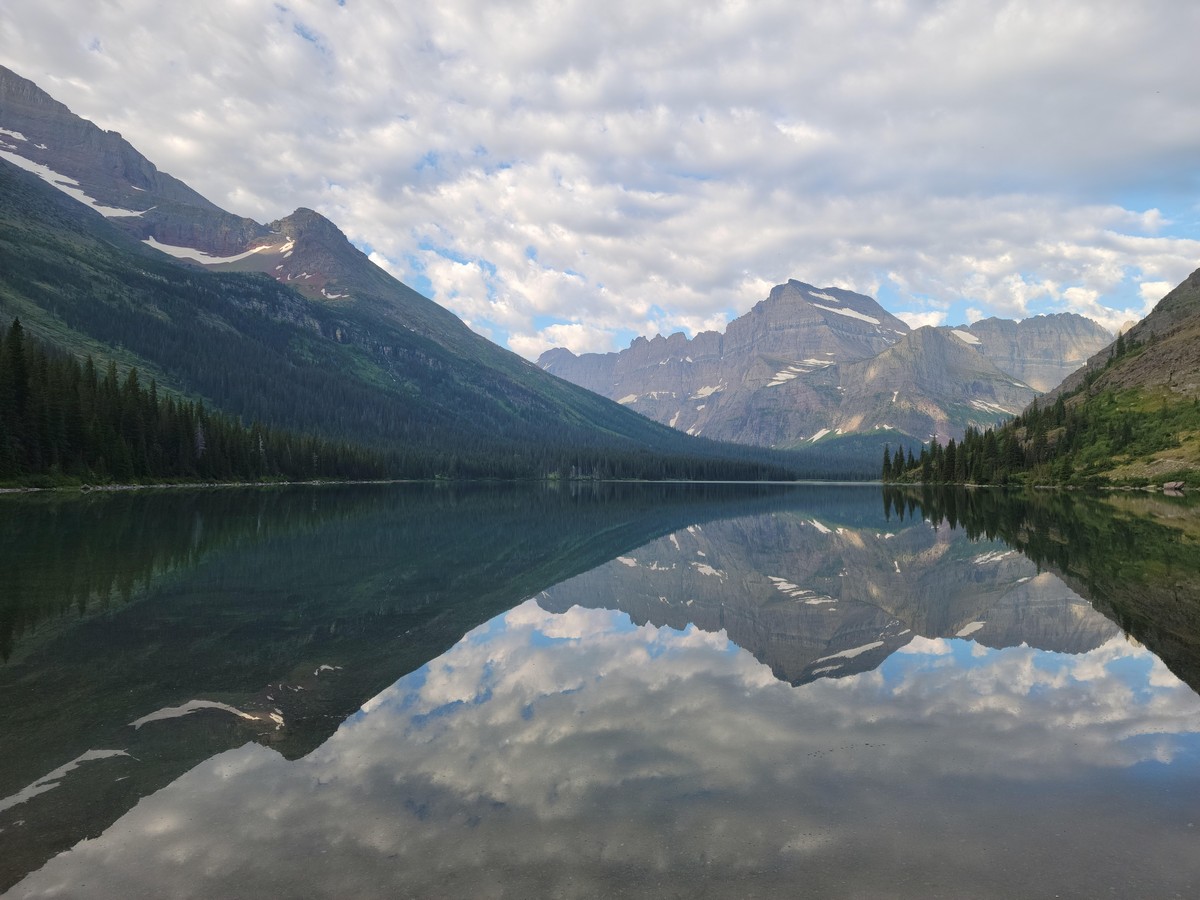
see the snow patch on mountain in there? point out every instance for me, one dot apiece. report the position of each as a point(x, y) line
point(853, 314)
point(199, 255)
point(801, 368)
point(989, 407)
point(852, 652)
point(68, 186)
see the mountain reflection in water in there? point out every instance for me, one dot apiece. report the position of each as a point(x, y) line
point(792, 693)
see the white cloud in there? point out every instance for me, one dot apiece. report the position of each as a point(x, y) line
point(921, 319)
point(926, 646)
point(1153, 291)
point(557, 774)
point(667, 163)
point(574, 336)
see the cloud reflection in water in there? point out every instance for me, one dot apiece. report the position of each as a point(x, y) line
point(579, 754)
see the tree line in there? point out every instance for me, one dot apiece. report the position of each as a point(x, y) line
point(63, 419)
point(66, 420)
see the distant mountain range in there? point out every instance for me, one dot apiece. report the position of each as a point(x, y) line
point(103, 254)
point(809, 365)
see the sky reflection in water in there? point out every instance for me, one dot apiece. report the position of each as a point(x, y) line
point(578, 753)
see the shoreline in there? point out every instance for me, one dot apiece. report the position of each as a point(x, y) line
point(116, 488)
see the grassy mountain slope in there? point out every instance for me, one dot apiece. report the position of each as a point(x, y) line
point(1130, 416)
point(1137, 402)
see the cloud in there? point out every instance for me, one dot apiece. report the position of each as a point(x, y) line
point(574, 336)
point(631, 753)
point(921, 319)
point(667, 163)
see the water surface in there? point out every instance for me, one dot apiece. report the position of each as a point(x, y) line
point(610, 691)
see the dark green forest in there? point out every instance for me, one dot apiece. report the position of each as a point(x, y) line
point(64, 420)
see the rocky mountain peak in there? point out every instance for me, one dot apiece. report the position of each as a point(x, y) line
point(807, 364)
point(100, 169)
point(308, 224)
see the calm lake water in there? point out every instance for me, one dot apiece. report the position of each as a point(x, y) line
point(677, 691)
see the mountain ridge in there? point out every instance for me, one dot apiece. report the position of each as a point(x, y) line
point(328, 343)
point(806, 365)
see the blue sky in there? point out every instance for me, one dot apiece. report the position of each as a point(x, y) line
point(578, 174)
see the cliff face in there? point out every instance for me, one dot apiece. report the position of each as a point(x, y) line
point(1040, 351)
point(807, 364)
point(930, 384)
point(770, 379)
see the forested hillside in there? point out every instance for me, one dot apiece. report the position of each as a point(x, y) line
point(63, 420)
point(1131, 416)
point(260, 352)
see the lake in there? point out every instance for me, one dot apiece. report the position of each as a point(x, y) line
point(599, 691)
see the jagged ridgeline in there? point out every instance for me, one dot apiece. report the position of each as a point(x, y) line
point(831, 374)
point(1131, 415)
point(287, 324)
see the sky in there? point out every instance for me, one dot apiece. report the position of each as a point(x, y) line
point(579, 173)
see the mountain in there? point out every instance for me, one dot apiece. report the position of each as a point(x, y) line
point(1131, 415)
point(100, 169)
point(930, 384)
point(813, 596)
point(1135, 406)
point(103, 254)
point(810, 365)
point(1170, 361)
point(1040, 351)
point(770, 379)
